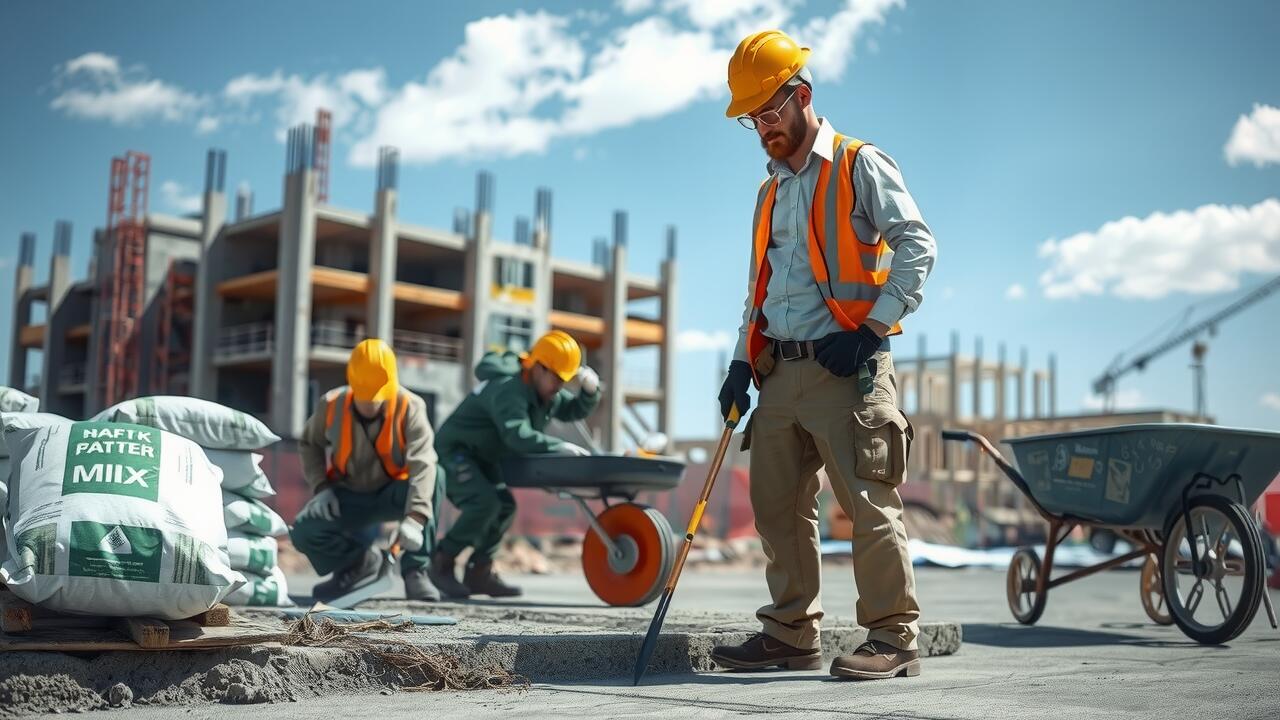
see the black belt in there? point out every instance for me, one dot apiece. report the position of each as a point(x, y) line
point(793, 349)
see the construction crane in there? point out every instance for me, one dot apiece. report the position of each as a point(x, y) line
point(1105, 385)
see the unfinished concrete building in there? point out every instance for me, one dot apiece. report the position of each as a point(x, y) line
point(260, 310)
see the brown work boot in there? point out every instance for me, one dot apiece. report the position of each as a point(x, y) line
point(441, 572)
point(762, 651)
point(875, 660)
point(481, 579)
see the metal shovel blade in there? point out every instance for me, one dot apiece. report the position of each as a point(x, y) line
point(380, 584)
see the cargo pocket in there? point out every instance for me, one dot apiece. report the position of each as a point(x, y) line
point(746, 433)
point(881, 442)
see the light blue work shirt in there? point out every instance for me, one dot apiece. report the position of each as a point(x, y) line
point(794, 307)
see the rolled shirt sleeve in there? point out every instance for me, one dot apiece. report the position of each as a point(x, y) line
point(885, 203)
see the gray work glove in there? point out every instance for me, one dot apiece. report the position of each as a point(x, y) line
point(568, 448)
point(323, 506)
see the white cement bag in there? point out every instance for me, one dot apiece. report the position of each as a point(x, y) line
point(269, 590)
point(208, 424)
point(242, 472)
point(250, 516)
point(13, 400)
point(26, 421)
point(252, 553)
point(114, 519)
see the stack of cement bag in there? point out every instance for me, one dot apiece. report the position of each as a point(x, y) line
point(113, 519)
point(11, 401)
point(229, 438)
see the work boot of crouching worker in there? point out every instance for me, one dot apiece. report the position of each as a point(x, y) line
point(418, 586)
point(442, 571)
point(875, 660)
point(482, 579)
point(358, 574)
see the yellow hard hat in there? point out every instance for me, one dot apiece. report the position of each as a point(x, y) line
point(558, 352)
point(762, 63)
point(371, 371)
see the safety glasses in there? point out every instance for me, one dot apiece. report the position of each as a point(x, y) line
point(768, 118)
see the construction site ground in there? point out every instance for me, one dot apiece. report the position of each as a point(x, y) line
point(1094, 654)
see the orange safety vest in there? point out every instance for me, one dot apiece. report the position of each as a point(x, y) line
point(860, 270)
point(340, 430)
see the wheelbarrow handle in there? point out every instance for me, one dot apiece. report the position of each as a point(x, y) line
point(959, 435)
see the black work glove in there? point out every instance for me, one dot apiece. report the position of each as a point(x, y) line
point(734, 390)
point(842, 353)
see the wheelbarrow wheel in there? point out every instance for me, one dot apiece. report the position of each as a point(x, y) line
point(646, 553)
point(1151, 589)
point(1213, 600)
point(1025, 602)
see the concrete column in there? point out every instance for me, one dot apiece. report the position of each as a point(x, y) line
point(381, 303)
point(21, 310)
point(1037, 392)
point(1022, 384)
point(922, 401)
point(667, 355)
point(477, 281)
point(290, 371)
point(1053, 386)
point(953, 379)
point(543, 278)
point(59, 283)
point(1000, 383)
point(977, 378)
point(614, 347)
point(244, 203)
point(208, 304)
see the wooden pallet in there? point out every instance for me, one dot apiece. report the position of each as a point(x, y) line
point(24, 626)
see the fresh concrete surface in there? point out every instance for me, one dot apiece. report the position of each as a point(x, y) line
point(1094, 654)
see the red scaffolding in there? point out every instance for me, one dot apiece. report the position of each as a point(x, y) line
point(120, 294)
point(320, 154)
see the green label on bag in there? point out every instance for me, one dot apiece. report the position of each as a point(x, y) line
point(260, 560)
point(117, 552)
point(113, 458)
point(265, 592)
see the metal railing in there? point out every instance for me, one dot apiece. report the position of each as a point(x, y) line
point(248, 339)
point(434, 347)
point(336, 334)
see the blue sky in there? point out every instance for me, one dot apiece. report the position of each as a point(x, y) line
point(1090, 169)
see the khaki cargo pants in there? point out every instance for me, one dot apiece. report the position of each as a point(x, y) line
point(808, 418)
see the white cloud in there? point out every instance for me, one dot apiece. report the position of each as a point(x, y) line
point(94, 87)
point(632, 7)
point(351, 97)
point(1199, 251)
point(177, 198)
point(515, 83)
point(1270, 400)
point(833, 38)
point(701, 340)
point(93, 63)
point(1126, 399)
point(1015, 292)
point(1255, 137)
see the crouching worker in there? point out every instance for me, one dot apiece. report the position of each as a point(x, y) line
point(369, 456)
point(504, 416)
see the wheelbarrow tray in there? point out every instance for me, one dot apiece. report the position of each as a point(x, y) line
point(599, 475)
point(1134, 475)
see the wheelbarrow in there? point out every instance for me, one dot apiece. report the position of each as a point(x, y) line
point(1179, 493)
point(629, 549)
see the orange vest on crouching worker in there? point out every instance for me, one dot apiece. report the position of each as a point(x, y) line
point(849, 273)
point(341, 427)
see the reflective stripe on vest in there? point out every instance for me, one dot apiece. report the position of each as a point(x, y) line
point(848, 272)
point(340, 430)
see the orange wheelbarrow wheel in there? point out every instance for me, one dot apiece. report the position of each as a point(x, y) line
point(645, 552)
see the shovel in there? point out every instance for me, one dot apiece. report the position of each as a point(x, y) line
point(655, 627)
